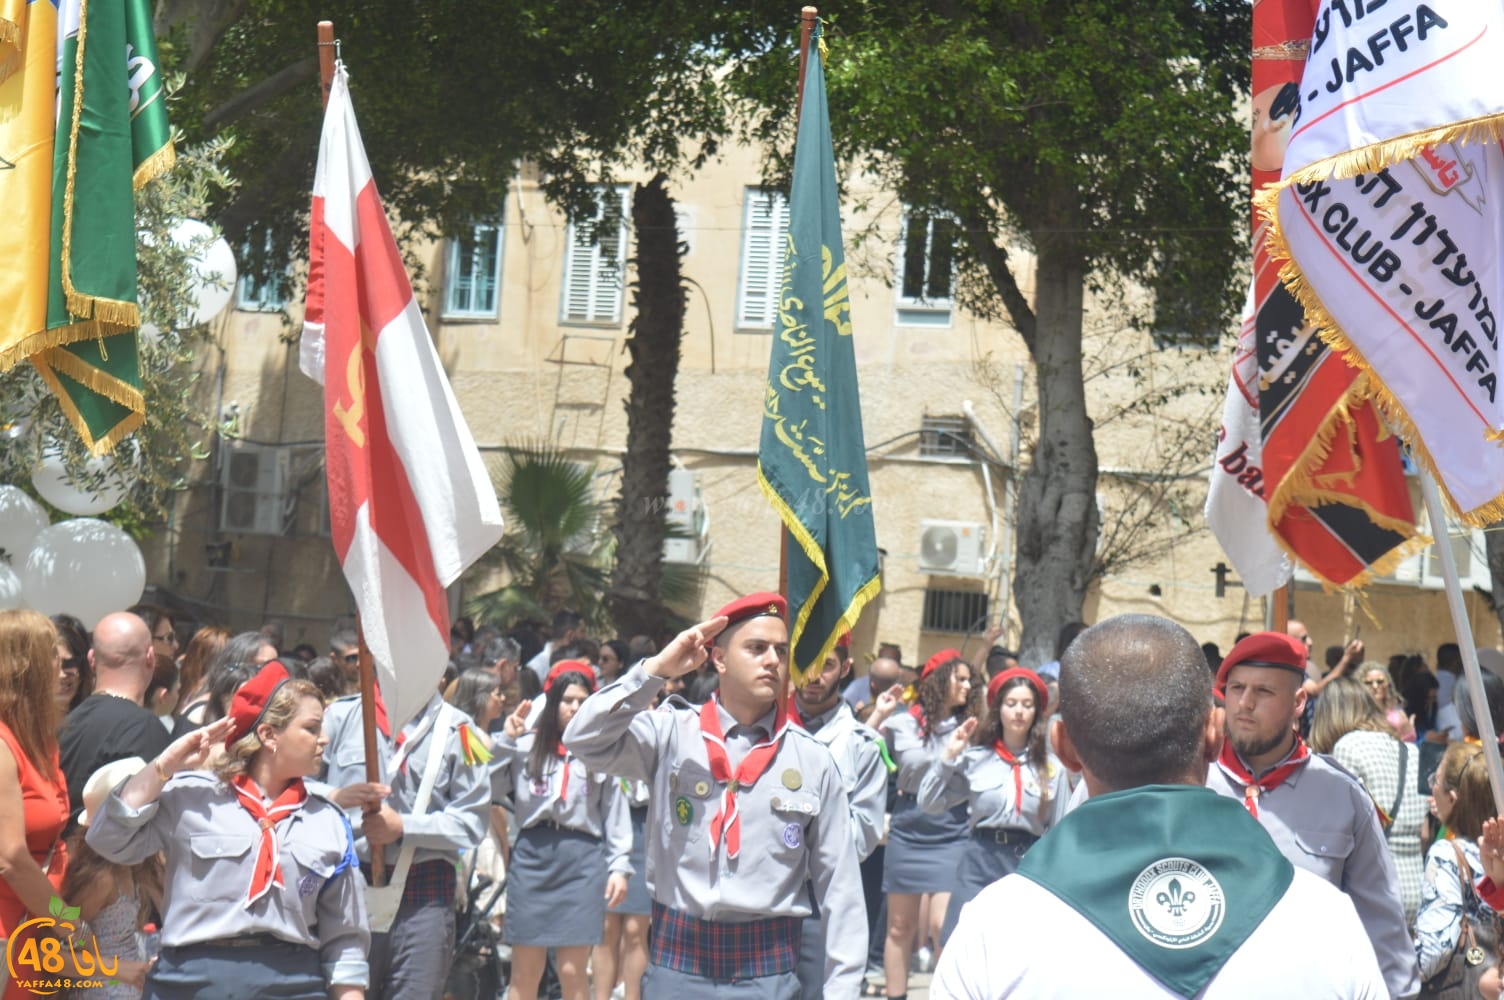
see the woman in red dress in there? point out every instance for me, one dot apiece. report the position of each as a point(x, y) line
point(33, 792)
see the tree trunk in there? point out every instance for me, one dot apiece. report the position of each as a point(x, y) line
point(1057, 509)
point(653, 344)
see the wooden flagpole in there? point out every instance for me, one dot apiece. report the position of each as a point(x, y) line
point(1460, 624)
point(326, 48)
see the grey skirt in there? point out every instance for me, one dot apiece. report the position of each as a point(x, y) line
point(556, 889)
point(990, 855)
point(639, 901)
point(924, 852)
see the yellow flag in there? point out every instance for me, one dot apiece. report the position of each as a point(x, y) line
point(28, 49)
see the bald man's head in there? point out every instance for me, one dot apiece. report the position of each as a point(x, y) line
point(121, 655)
point(883, 674)
point(1135, 695)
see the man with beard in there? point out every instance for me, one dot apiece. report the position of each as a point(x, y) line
point(819, 708)
point(1319, 815)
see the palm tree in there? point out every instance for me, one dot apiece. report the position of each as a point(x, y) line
point(551, 554)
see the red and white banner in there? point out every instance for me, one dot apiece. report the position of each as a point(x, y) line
point(1390, 215)
point(410, 502)
point(1236, 508)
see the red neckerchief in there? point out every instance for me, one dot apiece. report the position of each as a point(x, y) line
point(1018, 773)
point(727, 818)
point(1252, 787)
point(268, 869)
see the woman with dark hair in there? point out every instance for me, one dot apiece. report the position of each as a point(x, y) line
point(1493, 693)
point(237, 662)
point(571, 856)
point(1419, 691)
point(77, 679)
point(1002, 771)
point(263, 895)
point(612, 660)
point(925, 852)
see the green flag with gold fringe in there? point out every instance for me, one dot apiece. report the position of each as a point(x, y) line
point(812, 461)
point(112, 137)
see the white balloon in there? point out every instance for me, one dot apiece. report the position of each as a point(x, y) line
point(83, 567)
point(213, 266)
point(10, 587)
point(21, 518)
point(73, 497)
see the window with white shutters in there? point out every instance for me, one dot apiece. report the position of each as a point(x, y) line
point(765, 227)
point(472, 279)
point(595, 262)
point(926, 268)
point(256, 294)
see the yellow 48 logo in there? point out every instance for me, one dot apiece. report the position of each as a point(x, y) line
point(36, 961)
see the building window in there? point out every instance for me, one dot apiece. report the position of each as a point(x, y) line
point(765, 227)
point(955, 611)
point(472, 278)
point(256, 294)
point(945, 436)
point(595, 262)
point(926, 268)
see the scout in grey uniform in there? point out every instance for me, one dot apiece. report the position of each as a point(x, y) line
point(1013, 788)
point(262, 896)
point(746, 811)
point(574, 829)
point(411, 960)
point(1319, 816)
point(820, 709)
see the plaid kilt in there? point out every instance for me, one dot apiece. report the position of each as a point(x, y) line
point(723, 951)
point(429, 883)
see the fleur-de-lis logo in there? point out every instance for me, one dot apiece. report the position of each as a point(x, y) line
point(1175, 899)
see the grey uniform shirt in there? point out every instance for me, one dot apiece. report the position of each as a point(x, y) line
point(459, 811)
point(912, 751)
point(1323, 821)
point(984, 781)
point(209, 840)
point(857, 757)
point(795, 820)
point(595, 803)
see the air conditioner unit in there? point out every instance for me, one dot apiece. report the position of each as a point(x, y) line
point(253, 480)
point(684, 515)
point(952, 548)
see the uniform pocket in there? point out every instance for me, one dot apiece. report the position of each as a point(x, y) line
point(1324, 853)
point(793, 814)
point(693, 799)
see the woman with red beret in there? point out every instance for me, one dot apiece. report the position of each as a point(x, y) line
point(1002, 771)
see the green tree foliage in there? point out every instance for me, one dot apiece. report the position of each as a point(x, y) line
point(1077, 143)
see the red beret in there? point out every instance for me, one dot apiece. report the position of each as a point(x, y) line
point(939, 660)
point(844, 640)
point(1041, 692)
point(1264, 649)
point(754, 606)
point(251, 700)
point(570, 667)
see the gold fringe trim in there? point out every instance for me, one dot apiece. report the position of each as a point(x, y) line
point(66, 256)
point(1368, 386)
point(155, 166)
point(108, 312)
point(36, 342)
point(816, 555)
point(99, 446)
point(1488, 128)
point(96, 380)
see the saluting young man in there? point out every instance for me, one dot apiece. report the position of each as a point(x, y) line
point(746, 811)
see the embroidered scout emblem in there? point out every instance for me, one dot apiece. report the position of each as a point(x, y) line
point(683, 811)
point(1176, 903)
point(792, 780)
point(791, 835)
point(308, 884)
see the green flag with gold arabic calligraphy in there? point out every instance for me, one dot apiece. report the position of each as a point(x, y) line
point(812, 461)
point(112, 137)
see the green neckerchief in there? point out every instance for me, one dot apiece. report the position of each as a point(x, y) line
point(1177, 876)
